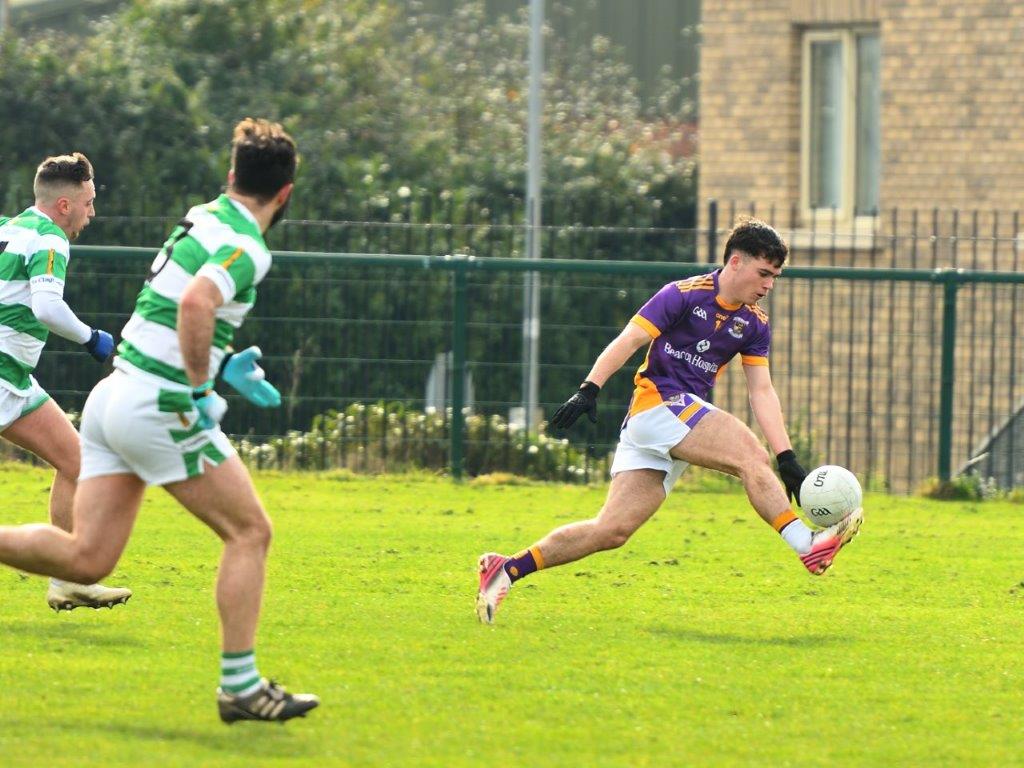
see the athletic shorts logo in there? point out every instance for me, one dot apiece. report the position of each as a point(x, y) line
point(699, 312)
point(703, 345)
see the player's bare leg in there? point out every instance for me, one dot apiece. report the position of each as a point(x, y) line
point(722, 442)
point(104, 512)
point(48, 434)
point(223, 497)
point(633, 496)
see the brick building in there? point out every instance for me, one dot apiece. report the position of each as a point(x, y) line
point(850, 108)
point(876, 133)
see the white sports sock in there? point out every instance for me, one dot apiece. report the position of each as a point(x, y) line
point(238, 673)
point(798, 536)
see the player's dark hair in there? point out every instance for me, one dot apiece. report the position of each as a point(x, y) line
point(755, 238)
point(62, 169)
point(263, 157)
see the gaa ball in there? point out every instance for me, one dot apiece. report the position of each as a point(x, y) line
point(828, 494)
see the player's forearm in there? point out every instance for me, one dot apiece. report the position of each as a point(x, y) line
point(196, 320)
point(616, 354)
point(768, 412)
point(52, 311)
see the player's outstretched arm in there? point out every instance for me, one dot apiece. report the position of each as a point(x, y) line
point(608, 362)
point(764, 402)
point(52, 311)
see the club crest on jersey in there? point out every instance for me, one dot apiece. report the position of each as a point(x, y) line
point(703, 345)
point(699, 312)
point(737, 327)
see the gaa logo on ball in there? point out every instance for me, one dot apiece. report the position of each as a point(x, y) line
point(829, 494)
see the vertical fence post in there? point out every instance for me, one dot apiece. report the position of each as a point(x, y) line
point(950, 284)
point(712, 231)
point(457, 435)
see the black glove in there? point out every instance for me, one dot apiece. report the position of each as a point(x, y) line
point(792, 474)
point(584, 401)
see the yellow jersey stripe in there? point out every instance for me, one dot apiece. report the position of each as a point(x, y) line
point(232, 258)
point(754, 360)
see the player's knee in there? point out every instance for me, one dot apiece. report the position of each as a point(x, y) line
point(256, 533)
point(755, 459)
point(69, 466)
point(91, 567)
point(613, 536)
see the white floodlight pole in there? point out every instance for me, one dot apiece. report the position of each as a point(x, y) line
point(531, 280)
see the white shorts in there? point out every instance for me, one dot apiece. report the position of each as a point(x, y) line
point(148, 427)
point(647, 437)
point(13, 407)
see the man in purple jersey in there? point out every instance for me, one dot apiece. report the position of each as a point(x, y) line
point(693, 327)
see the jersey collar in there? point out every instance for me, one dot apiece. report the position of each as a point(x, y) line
point(39, 213)
point(719, 300)
point(242, 209)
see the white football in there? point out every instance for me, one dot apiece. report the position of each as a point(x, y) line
point(829, 494)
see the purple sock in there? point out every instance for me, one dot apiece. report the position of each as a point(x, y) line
point(523, 564)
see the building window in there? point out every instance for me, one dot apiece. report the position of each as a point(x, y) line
point(841, 124)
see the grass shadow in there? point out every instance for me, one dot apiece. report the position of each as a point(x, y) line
point(254, 739)
point(54, 629)
point(690, 635)
point(259, 740)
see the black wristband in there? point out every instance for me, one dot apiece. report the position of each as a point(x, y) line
point(203, 390)
point(224, 361)
point(786, 455)
point(589, 388)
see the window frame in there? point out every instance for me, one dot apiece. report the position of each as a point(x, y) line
point(844, 213)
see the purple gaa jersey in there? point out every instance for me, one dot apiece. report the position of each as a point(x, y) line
point(695, 334)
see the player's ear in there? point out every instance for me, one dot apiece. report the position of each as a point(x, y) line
point(284, 193)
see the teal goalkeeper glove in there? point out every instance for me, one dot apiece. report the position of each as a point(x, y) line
point(209, 404)
point(248, 379)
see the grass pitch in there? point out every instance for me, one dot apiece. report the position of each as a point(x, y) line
point(702, 642)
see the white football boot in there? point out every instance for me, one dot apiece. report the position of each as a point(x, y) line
point(66, 596)
point(494, 585)
point(826, 543)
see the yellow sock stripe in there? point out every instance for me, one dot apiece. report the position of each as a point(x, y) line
point(538, 558)
point(783, 520)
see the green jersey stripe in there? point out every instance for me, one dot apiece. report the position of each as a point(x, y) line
point(12, 267)
point(159, 309)
point(18, 317)
point(143, 362)
point(29, 219)
point(15, 372)
point(187, 254)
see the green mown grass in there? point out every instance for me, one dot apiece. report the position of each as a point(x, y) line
point(702, 642)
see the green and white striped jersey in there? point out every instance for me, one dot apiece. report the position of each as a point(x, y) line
point(220, 241)
point(33, 258)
